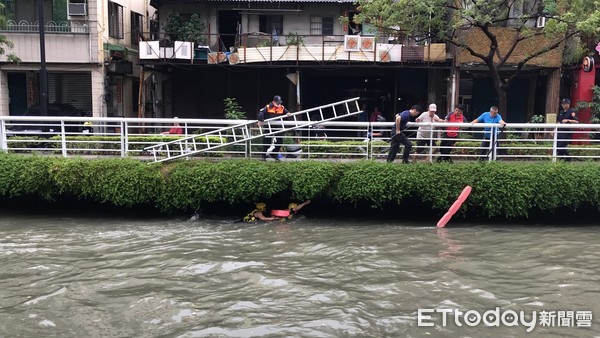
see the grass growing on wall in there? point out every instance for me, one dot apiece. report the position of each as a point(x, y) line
point(509, 190)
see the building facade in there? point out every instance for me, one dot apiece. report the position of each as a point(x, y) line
point(300, 50)
point(91, 55)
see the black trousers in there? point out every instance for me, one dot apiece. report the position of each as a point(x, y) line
point(485, 150)
point(396, 141)
point(563, 140)
point(445, 149)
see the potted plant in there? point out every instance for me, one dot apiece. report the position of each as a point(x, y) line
point(537, 132)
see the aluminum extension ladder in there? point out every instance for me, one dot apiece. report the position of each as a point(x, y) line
point(223, 137)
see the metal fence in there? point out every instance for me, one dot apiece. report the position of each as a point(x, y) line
point(344, 140)
point(49, 27)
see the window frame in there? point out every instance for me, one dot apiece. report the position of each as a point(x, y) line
point(319, 26)
point(115, 21)
point(137, 27)
point(268, 21)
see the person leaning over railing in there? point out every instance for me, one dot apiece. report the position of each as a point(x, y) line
point(491, 116)
point(451, 133)
point(398, 135)
point(425, 133)
point(566, 115)
point(273, 109)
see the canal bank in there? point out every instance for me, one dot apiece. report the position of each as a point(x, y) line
point(513, 191)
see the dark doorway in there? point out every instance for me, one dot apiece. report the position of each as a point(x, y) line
point(228, 28)
point(376, 87)
point(17, 89)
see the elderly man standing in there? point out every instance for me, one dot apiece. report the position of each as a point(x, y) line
point(425, 133)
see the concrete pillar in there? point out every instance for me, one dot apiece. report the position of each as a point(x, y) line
point(582, 91)
point(432, 80)
point(4, 95)
point(453, 88)
point(98, 105)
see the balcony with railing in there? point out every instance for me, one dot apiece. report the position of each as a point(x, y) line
point(258, 48)
point(69, 27)
point(66, 41)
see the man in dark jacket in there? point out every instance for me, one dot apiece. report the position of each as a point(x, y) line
point(398, 136)
point(273, 109)
point(567, 115)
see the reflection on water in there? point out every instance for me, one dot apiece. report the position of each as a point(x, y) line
point(79, 277)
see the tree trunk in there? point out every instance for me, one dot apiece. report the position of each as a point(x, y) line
point(502, 100)
point(500, 87)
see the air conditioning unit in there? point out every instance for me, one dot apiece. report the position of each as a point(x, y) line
point(77, 9)
point(540, 22)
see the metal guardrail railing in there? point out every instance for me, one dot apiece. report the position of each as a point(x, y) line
point(49, 27)
point(336, 140)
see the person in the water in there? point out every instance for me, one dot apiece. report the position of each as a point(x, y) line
point(295, 208)
point(259, 213)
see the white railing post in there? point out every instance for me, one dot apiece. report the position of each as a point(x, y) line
point(63, 138)
point(554, 145)
point(431, 144)
point(3, 142)
point(124, 143)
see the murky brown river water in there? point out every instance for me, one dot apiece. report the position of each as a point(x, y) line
point(117, 277)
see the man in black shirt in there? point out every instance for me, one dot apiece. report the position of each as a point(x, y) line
point(566, 115)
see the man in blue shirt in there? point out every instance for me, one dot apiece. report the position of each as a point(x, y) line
point(398, 136)
point(489, 117)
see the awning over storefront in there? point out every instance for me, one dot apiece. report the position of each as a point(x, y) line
point(118, 48)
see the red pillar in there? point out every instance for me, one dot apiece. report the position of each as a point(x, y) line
point(581, 90)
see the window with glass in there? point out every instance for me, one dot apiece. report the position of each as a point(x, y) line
point(137, 27)
point(115, 20)
point(321, 25)
point(27, 10)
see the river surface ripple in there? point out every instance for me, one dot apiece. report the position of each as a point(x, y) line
point(116, 277)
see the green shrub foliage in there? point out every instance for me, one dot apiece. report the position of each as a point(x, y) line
point(509, 190)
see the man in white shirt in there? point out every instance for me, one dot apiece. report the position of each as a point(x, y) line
point(425, 134)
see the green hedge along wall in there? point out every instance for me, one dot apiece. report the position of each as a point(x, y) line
point(508, 190)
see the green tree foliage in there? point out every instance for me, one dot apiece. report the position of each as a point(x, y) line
point(446, 20)
point(4, 42)
point(594, 105)
point(179, 29)
point(233, 111)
